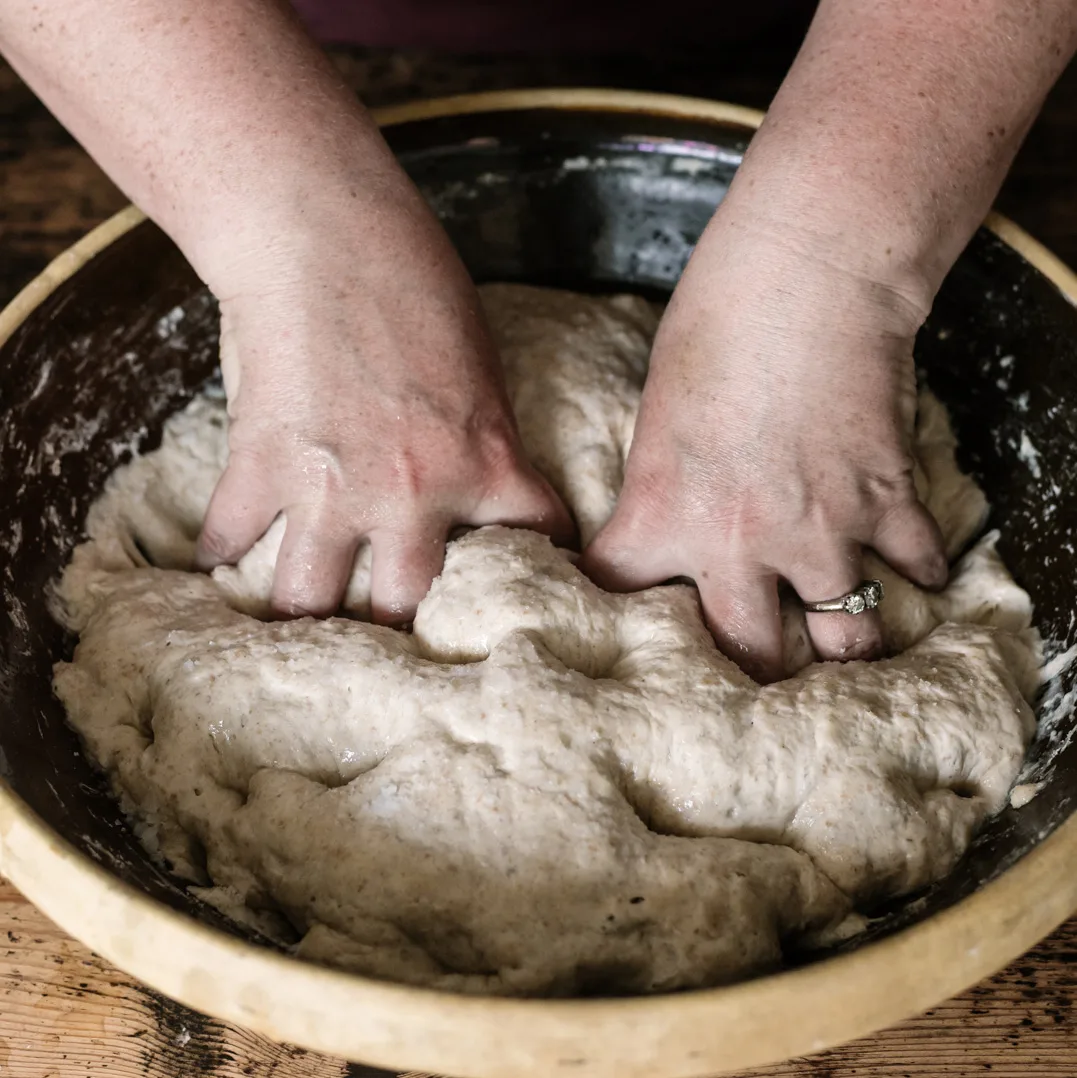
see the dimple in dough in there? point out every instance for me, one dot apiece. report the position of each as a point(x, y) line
point(545, 788)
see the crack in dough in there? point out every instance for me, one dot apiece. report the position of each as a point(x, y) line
point(545, 788)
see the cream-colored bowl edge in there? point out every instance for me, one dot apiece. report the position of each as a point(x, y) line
point(402, 1028)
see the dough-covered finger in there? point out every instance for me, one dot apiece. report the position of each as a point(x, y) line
point(239, 515)
point(910, 541)
point(742, 613)
point(313, 567)
point(404, 566)
point(837, 636)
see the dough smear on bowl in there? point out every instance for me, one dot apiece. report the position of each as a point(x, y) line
point(544, 788)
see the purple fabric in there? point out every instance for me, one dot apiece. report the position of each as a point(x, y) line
point(552, 25)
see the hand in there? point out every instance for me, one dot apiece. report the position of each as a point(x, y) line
point(366, 404)
point(773, 443)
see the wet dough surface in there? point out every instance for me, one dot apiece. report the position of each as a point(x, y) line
point(544, 788)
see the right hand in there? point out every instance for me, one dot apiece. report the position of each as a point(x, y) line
point(774, 440)
point(366, 403)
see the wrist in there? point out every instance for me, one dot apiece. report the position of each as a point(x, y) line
point(854, 230)
point(257, 210)
point(797, 265)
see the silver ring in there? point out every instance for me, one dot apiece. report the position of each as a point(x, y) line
point(865, 597)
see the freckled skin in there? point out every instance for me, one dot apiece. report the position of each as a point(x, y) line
point(543, 780)
point(365, 400)
point(774, 437)
point(364, 392)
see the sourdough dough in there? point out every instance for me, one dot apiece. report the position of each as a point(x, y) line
point(545, 788)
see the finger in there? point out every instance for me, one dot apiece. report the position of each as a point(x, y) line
point(239, 514)
point(743, 616)
point(313, 566)
point(627, 555)
point(616, 563)
point(404, 566)
point(526, 500)
point(909, 539)
point(838, 636)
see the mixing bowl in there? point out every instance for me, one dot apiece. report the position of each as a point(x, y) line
point(588, 190)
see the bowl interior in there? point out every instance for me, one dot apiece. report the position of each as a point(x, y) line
point(585, 199)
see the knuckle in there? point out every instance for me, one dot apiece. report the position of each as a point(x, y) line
point(891, 483)
point(606, 549)
point(620, 540)
point(527, 498)
point(412, 474)
point(607, 562)
point(322, 470)
point(907, 521)
point(245, 459)
point(646, 502)
point(499, 448)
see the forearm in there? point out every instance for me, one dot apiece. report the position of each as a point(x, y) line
point(216, 117)
point(896, 125)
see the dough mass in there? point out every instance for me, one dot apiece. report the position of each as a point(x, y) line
point(545, 788)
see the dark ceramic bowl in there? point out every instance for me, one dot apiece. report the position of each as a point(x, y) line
point(587, 190)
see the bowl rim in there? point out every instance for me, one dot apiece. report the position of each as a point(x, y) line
point(705, 1031)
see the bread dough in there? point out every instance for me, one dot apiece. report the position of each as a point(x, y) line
point(544, 788)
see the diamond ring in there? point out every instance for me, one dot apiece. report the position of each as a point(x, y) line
point(865, 597)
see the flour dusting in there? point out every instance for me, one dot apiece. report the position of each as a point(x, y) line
point(544, 788)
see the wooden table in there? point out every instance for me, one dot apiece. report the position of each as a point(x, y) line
point(65, 1013)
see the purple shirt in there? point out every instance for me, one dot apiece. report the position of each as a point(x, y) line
point(552, 25)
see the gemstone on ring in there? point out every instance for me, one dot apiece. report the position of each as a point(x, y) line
point(865, 597)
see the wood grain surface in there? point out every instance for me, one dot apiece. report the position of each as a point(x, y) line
point(65, 1013)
